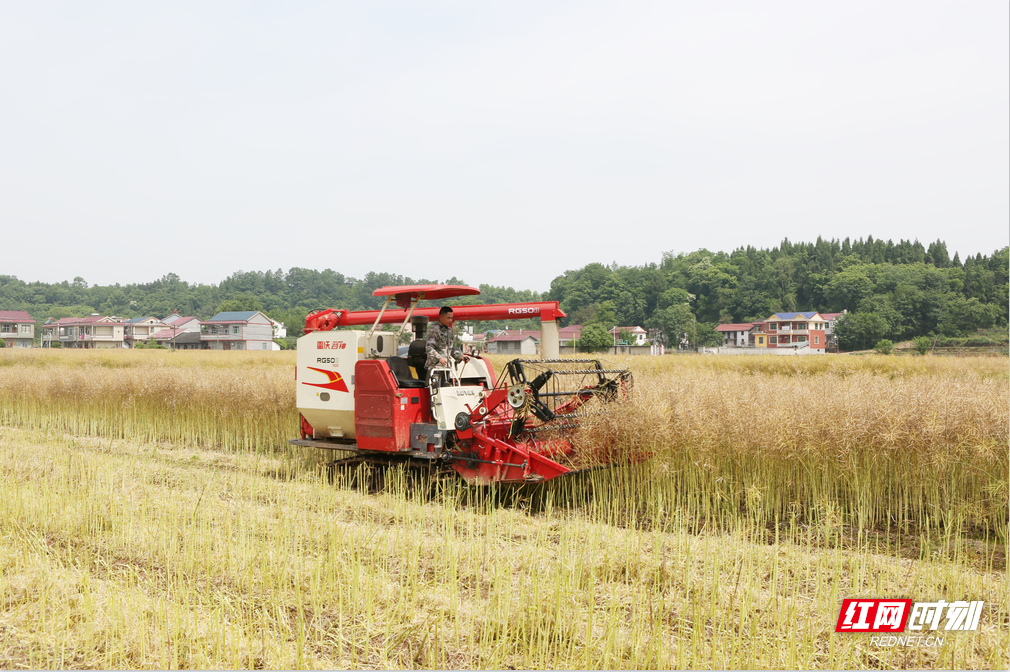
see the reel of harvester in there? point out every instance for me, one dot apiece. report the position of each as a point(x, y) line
point(552, 395)
point(535, 412)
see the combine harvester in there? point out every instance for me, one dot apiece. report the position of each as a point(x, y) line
point(355, 394)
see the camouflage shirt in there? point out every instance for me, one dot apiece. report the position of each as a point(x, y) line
point(439, 344)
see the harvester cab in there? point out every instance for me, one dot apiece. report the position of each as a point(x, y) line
point(357, 394)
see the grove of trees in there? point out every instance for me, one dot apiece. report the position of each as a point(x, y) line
point(897, 291)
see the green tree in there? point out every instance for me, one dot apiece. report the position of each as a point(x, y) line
point(884, 346)
point(848, 288)
point(674, 323)
point(595, 338)
point(922, 344)
point(707, 335)
point(858, 331)
point(965, 316)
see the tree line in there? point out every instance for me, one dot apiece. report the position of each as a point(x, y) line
point(896, 291)
point(891, 290)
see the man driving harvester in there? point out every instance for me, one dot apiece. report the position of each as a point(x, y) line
point(440, 340)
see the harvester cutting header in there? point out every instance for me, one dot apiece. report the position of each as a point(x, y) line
point(357, 394)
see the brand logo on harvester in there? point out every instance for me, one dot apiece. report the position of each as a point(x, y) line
point(330, 345)
point(523, 311)
point(335, 382)
point(891, 616)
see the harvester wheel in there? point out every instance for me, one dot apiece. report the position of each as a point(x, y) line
point(375, 473)
point(517, 396)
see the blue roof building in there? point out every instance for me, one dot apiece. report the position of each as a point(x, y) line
point(238, 330)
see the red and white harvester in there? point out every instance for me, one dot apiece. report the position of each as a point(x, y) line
point(358, 395)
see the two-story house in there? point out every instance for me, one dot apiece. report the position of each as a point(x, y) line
point(180, 333)
point(94, 331)
point(736, 335)
point(238, 330)
point(17, 329)
point(790, 330)
point(141, 329)
point(831, 319)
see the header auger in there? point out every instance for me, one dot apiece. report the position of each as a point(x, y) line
point(357, 394)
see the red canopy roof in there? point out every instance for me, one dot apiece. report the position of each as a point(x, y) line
point(431, 292)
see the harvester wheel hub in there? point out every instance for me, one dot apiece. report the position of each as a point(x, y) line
point(517, 396)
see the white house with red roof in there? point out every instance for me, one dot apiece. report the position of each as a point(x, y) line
point(94, 331)
point(17, 329)
point(735, 335)
point(638, 335)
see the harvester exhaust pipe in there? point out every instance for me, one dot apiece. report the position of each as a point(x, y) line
point(550, 347)
point(419, 323)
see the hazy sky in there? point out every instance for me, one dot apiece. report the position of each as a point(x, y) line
point(499, 142)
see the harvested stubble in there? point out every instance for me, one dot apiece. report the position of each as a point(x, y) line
point(122, 554)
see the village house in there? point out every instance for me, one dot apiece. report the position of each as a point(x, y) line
point(238, 330)
point(180, 324)
point(638, 335)
point(514, 342)
point(280, 331)
point(735, 335)
point(140, 329)
point(17, 329)
point(474, 342)
point(94, 331)
point(790, 330)
point(831, 319)
point(179, 333)
point(757, 338)
point(179, 340)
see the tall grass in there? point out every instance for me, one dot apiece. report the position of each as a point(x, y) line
point(150, 516)
point(881, 442)
point(233, 400)
point(911, 450)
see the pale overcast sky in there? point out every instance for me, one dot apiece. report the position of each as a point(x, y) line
point(499, 142)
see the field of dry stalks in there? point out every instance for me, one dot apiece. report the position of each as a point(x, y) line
point(152, 516)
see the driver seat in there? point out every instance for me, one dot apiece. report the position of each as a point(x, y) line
point(417, 357)
point(402, 374)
